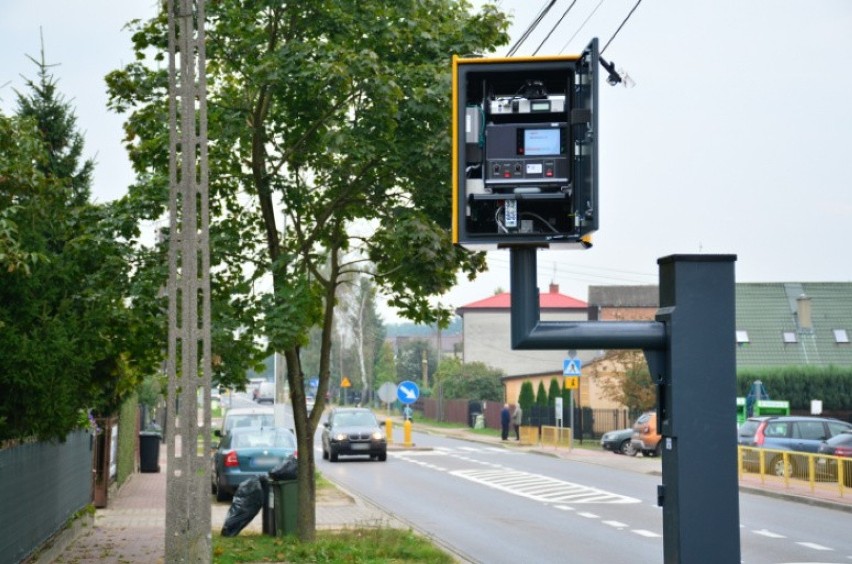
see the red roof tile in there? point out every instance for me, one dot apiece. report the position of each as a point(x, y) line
point(547, 300)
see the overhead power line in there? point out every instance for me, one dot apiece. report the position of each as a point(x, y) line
point(582, 25)
point(622, 25)
point(530, 28)
point(552, 29)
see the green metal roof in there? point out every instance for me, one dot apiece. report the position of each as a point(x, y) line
point(765, 311)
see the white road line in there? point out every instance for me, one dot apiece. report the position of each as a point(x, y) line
point(541, 488)
point(770, 534)
point(564, 507)
point(644, 533)
point(588, 515)
point(814, 546)
point(616, 524)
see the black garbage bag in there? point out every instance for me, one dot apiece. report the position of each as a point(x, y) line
point(287, 470)
point(248, 500)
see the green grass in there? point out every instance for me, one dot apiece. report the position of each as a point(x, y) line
point(351, 545)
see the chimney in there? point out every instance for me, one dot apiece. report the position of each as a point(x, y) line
point(554, 288)
point(803, 312)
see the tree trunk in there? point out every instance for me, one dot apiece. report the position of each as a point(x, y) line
point(306, 522)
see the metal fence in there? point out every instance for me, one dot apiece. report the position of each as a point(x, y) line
point(588, 423)
point(815, 474)
point(44, 484)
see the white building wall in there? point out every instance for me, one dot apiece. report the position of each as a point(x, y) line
point(487, 339)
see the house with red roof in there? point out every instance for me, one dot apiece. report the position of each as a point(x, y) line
point(486, 337)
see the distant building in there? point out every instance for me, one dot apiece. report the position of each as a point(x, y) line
point(777, 323)
point(487, 337)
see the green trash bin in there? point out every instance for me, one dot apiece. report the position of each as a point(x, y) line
point(285, 505)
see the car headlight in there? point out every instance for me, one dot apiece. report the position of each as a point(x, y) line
point(340, 436)
point(378, 436)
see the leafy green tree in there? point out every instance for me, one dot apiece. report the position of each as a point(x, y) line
point(385, 370)
point(630, 385)
point(541, 395)
point(335, 113)
point(70, 337)
point(553, 392)
point(409, 360)
point(472, 380)
point(526, 398)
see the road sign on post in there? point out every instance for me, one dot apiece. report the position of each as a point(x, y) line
point(407, 392)
point(571, 367)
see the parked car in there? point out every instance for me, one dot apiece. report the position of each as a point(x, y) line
point(785, 433)
point(265, 393)
point(619, 442)
point(839, 445)
point(247, 452)
point(645, 438)
point(246, 417)
point(350, 431)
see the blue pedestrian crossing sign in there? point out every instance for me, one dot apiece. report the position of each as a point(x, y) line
point(407, 392)
point(571, 367)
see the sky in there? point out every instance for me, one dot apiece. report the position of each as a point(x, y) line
point(735, 139)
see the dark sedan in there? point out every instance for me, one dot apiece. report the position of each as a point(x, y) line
point(619, 442)
point(836, 449)
point(352, 431)
point(247, 452)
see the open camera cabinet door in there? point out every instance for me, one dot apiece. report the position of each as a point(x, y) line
point(525, 160)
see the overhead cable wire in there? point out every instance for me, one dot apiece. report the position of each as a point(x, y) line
point(581, 27)
point(622, 25)
point(552, 29)
point(530, 28)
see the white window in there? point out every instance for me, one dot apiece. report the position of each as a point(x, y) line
point(841, 336)
point(742, 337)
point(790, 337)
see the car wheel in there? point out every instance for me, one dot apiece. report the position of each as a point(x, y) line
point(626, 448)
point(324, 454)
point(332, 455)
point(383, 456)
point(658, 450)
point(778, 468)
point(647, 453)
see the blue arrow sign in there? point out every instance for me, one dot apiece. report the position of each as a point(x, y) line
point(407, 392)
point(571, 367)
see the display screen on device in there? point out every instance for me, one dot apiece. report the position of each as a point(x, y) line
point(541, 142)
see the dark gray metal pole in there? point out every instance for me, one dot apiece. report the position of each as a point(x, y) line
point(696, 410)
point(529, 332)
point(691, 355)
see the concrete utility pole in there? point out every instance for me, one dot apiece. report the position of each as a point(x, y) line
point(188, 426)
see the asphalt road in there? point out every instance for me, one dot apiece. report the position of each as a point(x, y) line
point(490, 504)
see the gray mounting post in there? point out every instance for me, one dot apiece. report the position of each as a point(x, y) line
point(691, 355)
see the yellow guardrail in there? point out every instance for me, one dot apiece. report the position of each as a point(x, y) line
point(556, 437)
point(816, 473)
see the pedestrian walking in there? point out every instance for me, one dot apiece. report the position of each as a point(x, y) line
point(505, 418)
point(407, 412)
point(517, 416)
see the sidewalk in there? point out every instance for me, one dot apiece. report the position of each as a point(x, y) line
point(131, 528)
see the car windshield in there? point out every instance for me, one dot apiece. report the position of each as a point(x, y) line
point(249, 420)
point(355, 419)
point(263, 438)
